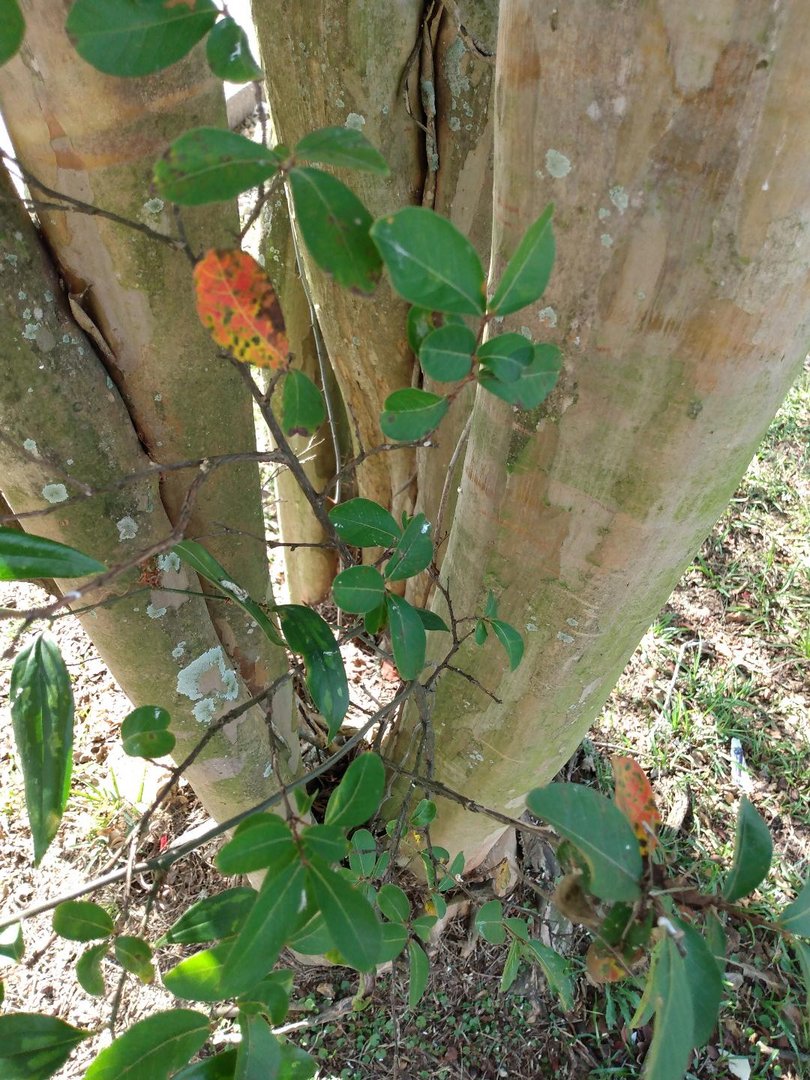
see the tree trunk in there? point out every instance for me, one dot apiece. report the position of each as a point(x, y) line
point(676, 147)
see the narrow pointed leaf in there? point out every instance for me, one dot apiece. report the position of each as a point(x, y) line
point(88, 969)
point(218, 1067)
point(364, 523)
point(12, 945)
point(634, 797)
point(599, 831)
point(556, 969)
point(359, 589)
point(137, 37)
point(671, 1048)
point(34, 1047)
point(358, 794)
point(407, 636)
point(716, 940)
point(258, 1054)
point(212, 919)
point(152, 1049)
point(446, 354)
point(341, 146)
point(418, 973)
point(512, 966)
point(302, 404)
point(413, 553)
point(12, 29)
point(23, 555)
point(271, 996)
point(510, 639)
point(81, 920)
point(237, 303)
point(374, 621)
point(335, 227)
point(705, 983)
point(228, 52)
point(261, 842)
point(432, 621)
point(308, 634)
point(796, 916)
point(207, 165)
point(411, 414)
point(753, 849)
point(430, 262)
point(313, 938)
point(350, 919)
point(144, 732)
point(42, 718)
point(802, 952)
point(135, 956)
point(529, 269)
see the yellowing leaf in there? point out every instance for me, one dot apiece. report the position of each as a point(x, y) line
point(237, 303)
point(602, 965)
point(635, 798)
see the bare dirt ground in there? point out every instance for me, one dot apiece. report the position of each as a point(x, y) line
point(728, 658)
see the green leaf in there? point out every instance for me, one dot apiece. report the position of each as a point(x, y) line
point(556, 969)
point(481, 633)
point(81, 920)
point(411, 414)
point(414, 551)
point(536, 381)
point(258, 1055)
point(705, 983)
point(394, 903)
point(88, 969)
point(199, 977)
point(716, 940)
point(407, 636)
point(796, 916)
point(489, 922)
point(430, 262)
point(296, 1064)
point(195, 556)
point(328, 842)
point(276, 913)
point(341, 146)
point(212, 918)
point(394, 939)
point(308, 634)
point(423, 925)
point(363, 855)
point(418, 973)
point(510, 639)
point(491, 606)
point(424, 812)
point(12, 945)
point(153, 1048)
point(529, 269)
point(137, 37)
point(753, 849)
point(802, 952)
point(229, 55)
point(358, 794)
point(350, 919)
point(42, 717)
point(144, 733)
point(271, 996)
point(207, 165)
point(335, 227)
point(33, 1047)
point(313, 938)
point(135, 956)
point(512, 966)
point(518, 927)
point(446, 354)
point(599, 830)
point(261, 842)
point(23, 555)
point(302, 405)
point(671, 1048)
point(375, 620)
point(364, 523)
point(218, 1067)
point(359, 589)
point(507, 356)
point(12, 32)
point(432, 621)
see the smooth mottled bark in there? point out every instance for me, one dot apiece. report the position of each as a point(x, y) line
point(676, 148)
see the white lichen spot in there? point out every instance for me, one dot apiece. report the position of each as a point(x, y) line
point(208, 674)
point(620, 105)
point(155, 612)
point(531, 628)
point(31, 447)
point(69, 461)
point(548, 315)
point(18, 235)
point(65, 339)
point(594, 111)
point(606, 240)
point(566, 638)
point(268, 770)
point(603, 213)
point(205, 710)
point(47, 296)
point(30, 331)
point(168, 561)
point(179, 650)
point(641, 295)
point(572, 622)
point(424, 528)
point(477, 757)
point(454, 123)
point(39, 313)
point(22, 295)
point(127, 528)
point(619, 198)
point(110, 383)
point(557, 164)
point(27, 313)
point(384, 110)
point(355, 120)
point(158, 397)
point(456, 79)
point(11, 259)
point(54, 493)
point(766, 186)
point(237, 590)
point(339, 103)
point(526, 332)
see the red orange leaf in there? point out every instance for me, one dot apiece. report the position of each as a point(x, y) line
point(602, 966)
point(635, 798)
point(238, 304)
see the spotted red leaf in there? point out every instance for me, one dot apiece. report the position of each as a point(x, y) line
point(634, 797)
point(602, 965)
point(237, 302)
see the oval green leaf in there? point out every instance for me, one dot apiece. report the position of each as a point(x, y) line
point(430, 262)
point(219, 1067)
point(308, 634)
point(350, 919)
point(529, 269)
point(394, 903)
point(258, 1055)
point(261, 842)
point(23, 555)
point(753, 849)
point(705, 983)
point(418, 973)
point(359, 589)
point(341, 146)
point(229, 55)
point(12, 30)
point(506, 356)
point(335, 227)
point(328, 842)
point(81, 920)
point(137, 37)
point(135, 956)
point(153, 1048)
point(446, 354)
point(432, 621)
point(358, 794)
point(199, 977)
point(34, 1047)
point(302, 404)
point(212, 918)
point(207, 165)
point(796, 916)
point(489, 922)
point(407, 636)
point(42, 718)
point(671, 1047)
point(510, 639)
point(599, 830)
point(413, 553)
point(271, 996)
point(412, 413)
point(144, 733)
point(88, 969)
point(364, 523)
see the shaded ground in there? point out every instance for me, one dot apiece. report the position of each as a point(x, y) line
point(729, 657)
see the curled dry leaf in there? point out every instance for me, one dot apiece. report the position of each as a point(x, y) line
point(634, 797)
point(237, 303)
